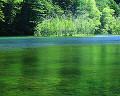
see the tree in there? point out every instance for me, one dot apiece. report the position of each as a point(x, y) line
point(22, 17)
point(115, 6)
point(116, 26)
point(2, 21)
point(107, 20)
point(9, 12)
point(94, 13)
point(68, 5)
point(101, 4)
point(31, 13)
point(1, 12)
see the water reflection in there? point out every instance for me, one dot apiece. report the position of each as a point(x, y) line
point(10, 72)
point(69, 71)
point(61, 71)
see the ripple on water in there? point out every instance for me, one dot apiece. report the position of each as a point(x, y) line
point(33, 42)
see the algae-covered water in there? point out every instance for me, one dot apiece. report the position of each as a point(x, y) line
point(58, 66)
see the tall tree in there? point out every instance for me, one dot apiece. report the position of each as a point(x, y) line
point(9, 10)
point(107, 20)
point(115, 6)
point(94, 13)
point(101, 4)
point(1, 12)
point(68, 5)
point(31, 13)
point(2, 29)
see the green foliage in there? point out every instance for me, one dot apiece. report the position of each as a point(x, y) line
point(116, 26)
point(56, 26)
point(117, 1)
point(67, 26)
point(9, 11)
point(51, 9)
point(107, 20)
point(85, 25)
point(21, 17)
point(113, 5)
point(59, 17)
point(101, 4)
point(68, 5)
point(15, 1)
point(1, 12)
point(92, 9)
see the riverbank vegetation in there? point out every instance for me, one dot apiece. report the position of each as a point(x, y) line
point(59, 17)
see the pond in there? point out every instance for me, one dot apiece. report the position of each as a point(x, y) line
point(60, 66)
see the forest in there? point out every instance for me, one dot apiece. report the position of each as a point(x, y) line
point(59, 17)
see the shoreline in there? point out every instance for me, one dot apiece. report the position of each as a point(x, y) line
point(83, 35)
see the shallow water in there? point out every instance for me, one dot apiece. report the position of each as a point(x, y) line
point(34, 42)
point(88, 66)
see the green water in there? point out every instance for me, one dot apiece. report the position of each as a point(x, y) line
point(90, 70)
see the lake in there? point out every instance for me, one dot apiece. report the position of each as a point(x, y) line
point(60, 66)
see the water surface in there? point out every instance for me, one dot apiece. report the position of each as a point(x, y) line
point(88, 66)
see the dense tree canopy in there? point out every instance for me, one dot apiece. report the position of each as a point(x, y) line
point(117, 1)
point(67, 5)
point(59, 17)
point(1, 12)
